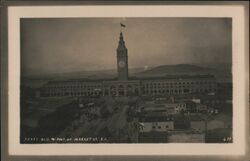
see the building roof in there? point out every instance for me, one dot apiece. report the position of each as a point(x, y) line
point(81, 80)
point(222, 117)
point(169, 102)
point(179, 77)
point(195, 118)
point(153, 137)
point(156, 119)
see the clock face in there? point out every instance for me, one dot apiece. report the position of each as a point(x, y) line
point(121, 63)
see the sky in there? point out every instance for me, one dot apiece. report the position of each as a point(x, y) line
point(57, 45)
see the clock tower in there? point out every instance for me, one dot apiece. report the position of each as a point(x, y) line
point(122, 59)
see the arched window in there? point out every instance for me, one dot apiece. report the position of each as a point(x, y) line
point(121, 90)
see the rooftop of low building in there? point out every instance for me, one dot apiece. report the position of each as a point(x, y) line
point(156, 119)
point(195, 118)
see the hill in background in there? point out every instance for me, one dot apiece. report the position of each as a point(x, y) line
point(222, 74)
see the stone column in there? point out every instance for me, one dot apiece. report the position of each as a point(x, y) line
point(117, 92)
point(109, 91)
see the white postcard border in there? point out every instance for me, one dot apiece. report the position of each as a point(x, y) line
point(238, 147)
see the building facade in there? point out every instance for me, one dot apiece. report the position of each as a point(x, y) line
point(156, 124)
point(162, 107)
point(123, 85)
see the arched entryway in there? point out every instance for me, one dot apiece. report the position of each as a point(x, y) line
point(121, 91)
point(129, 90)
point(113, 90)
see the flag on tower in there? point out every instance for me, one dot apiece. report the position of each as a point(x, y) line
point(122, 25)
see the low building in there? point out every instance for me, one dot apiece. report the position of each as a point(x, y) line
point(194, 107)
point(185, 137)
point(152, 137)
point(219, 121)
point(164, 107)
point(190, 107)
point(181, 122)
point(158, 124)
point(201, 108)
point(197, 123)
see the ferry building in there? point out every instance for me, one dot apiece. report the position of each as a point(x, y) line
point(123, 85)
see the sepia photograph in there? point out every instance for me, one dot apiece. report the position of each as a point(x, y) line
point(126, 80)
point(138, 80)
